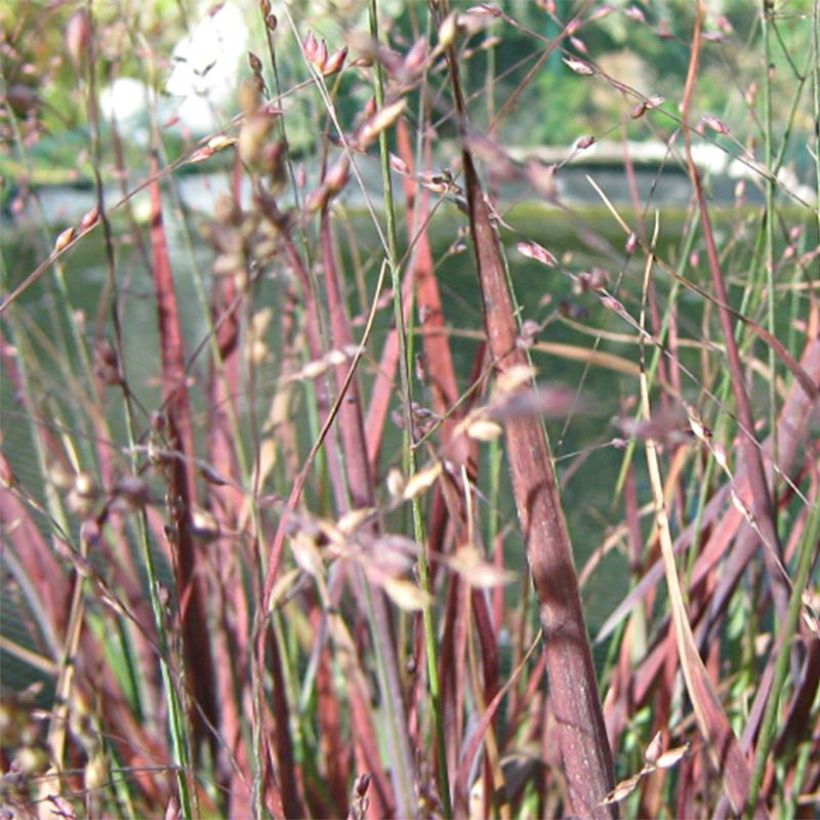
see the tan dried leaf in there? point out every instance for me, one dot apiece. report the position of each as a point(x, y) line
point(654, 749)
point(64, 240)
point(476, 571)
point(715, 123)
point(398, 165)
point(622, 790)
point(220, 142)
point(421, 482)
point(484, 430)
point(96, 774)
point(514, 377)
point(578, 66)
point(395, 482)
point(313, 370)
point(405, 594)
point(90, 218)
point(307, 555)
point(447, 31)
point(383, 119)
point(532, 250)
point(672, 756)
point(351, 521)
point(282, 587)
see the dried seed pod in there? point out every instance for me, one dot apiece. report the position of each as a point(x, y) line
point(654, 749)
point(714, 123)
point(310, 47)
point(337, 176)
point(383, 119)
point(317, 199)
point(90, 218)
point(362, 784)
point(133, 491)
point(64, 239)
point(96, 773)
point(335, 63)
point(306, 554)
point(204, 524)
point(399, 165)
point(421, 482)
point(395, 482)
point(106, 363)
point(600, 12)
point(353, 520)
point(532, 250)
point(484, 430)
point(200, 155)
point(78, 37)
point(249, 97)
point(407, 595)
point(447, 31)
point(416, 57)
point(579, 45)
point(252, 137)
point(83, 495)
point(636, 14)
point(320, 60)
point(255, 63)
point(468, 562)
point(514, 377)
point(85, 486)
point(529, 333)
point(578, 66)
point(671, 756)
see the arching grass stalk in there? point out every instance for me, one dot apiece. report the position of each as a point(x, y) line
point(409, 461)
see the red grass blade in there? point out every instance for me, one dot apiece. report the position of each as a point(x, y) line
point(181, 472)
point(573, 687)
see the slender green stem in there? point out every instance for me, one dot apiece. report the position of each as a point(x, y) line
point(177, 720)
point(787, 631)
point(769, 228)
point(405, 354)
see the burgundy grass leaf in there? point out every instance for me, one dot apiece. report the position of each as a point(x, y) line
point(476, 738)
point(581, 733)
point(182, 473)
point(723, 522)
point(361, 489)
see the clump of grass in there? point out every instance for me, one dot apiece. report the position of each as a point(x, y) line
point(261, 553)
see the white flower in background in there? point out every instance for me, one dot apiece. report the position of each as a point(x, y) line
point(206, 66)
point(125, 99)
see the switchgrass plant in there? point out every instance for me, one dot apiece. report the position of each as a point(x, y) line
point(399, 482)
